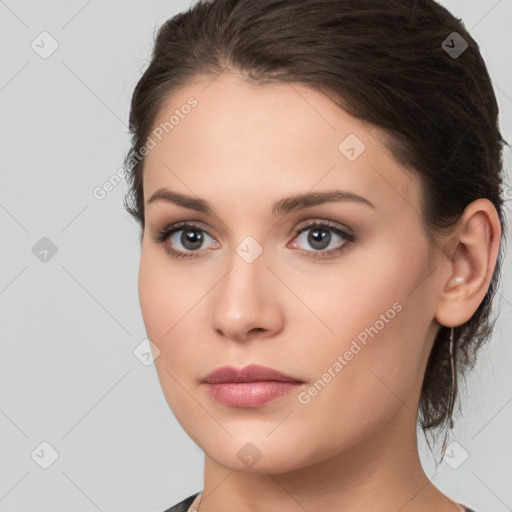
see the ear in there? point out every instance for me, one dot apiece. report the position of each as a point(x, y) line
point(467, 267)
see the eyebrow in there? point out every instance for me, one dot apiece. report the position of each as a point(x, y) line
point(280, 207)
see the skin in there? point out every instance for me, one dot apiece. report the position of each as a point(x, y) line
point(353, 446)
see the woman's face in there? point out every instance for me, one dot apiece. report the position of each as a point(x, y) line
point(349, 317)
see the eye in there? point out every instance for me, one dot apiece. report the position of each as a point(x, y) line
point(192, 238)
point(320, 237)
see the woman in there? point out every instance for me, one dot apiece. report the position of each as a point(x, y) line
point(318, 185)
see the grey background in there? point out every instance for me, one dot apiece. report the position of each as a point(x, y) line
point(69, 326)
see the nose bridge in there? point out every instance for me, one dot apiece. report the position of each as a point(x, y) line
point(242, 286)
point(244, 299)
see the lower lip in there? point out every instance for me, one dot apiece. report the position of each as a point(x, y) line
point(249, 394)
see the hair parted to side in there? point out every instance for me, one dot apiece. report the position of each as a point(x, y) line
point(381, 61)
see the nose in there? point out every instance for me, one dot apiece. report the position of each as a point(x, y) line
point(245, 304)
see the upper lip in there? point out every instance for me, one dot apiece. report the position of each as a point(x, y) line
point(250, 373)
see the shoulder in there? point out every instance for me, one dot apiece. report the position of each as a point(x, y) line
point(183, 506)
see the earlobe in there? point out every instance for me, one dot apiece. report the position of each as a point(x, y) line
point(470, 266)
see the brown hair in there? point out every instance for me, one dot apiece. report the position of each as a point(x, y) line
point(383, 61)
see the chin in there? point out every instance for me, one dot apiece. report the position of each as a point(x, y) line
point(260, 455)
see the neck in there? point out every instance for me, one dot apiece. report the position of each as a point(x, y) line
point(382, 472)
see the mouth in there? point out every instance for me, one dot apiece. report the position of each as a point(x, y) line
point(252, 386)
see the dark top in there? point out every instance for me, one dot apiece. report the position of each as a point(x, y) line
point(182, 506)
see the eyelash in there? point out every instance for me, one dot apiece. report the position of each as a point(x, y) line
point(164, 234)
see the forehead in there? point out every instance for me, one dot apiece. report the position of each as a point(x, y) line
point(279, 138)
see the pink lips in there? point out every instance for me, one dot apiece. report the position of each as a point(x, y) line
point(251, 386)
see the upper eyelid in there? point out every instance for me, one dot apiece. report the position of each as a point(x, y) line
point(305, 224)
point(325, 223)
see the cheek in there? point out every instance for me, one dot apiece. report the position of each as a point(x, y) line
point(343, 300)
point(365, 314)
point(165, 292)
point(364, 378)
point(153, 295)
point(166, 303)
point(172, 311)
